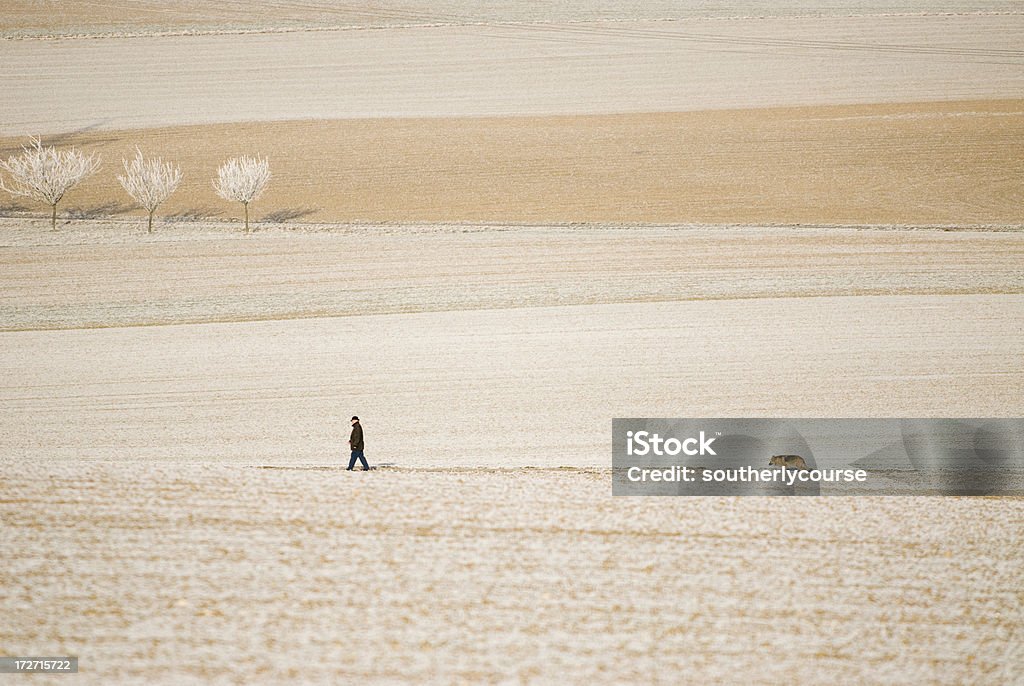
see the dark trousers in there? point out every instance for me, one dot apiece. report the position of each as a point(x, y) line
point(357, 455)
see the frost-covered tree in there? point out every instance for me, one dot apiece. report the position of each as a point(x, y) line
point(46, 174)
point(242, 179)
point(149, 182)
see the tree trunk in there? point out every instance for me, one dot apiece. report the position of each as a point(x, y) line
point(53, 218)
point(246, 216)
point(150, 229)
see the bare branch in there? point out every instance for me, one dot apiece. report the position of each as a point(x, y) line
point(242, 179)
point(46, 174)
point(149, 182)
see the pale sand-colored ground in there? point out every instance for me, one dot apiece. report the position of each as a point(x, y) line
point(195, 573)
point(487, 70)
point(143, 535)
point(940, 163)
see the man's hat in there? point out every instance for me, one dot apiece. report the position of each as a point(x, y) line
point(355, 418)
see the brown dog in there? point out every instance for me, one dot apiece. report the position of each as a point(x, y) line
point(790, 461)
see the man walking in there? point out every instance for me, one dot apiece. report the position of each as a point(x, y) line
point(355, 441)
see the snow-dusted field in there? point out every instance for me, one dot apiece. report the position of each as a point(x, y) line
point(212, 572)
point(117, 83)
point(101, 273)
point(503, 387)
point(174, 508)
point(486, 346)
point(173, 407)
point(37, 18)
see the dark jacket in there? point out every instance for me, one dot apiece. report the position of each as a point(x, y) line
point(356, 439)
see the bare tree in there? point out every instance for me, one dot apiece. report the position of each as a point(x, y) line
point(243, 179)
point(149, 182)
point(46, 174)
